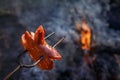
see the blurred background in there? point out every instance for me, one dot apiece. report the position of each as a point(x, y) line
point(62, 17)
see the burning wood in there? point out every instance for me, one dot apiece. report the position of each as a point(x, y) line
point(85, 39)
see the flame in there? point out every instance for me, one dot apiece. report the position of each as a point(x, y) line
point(85, 39)
point(85, 35)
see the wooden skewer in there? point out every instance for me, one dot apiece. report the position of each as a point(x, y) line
point(49, 35)
point(58, 42)
point(11, 73)
point(31, 65)
point(27, 50)
point(22, 66)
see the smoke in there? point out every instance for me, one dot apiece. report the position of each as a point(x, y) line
point(60, 17)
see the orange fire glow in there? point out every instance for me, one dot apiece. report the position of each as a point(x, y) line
point(85, 32)
point(85, 38)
